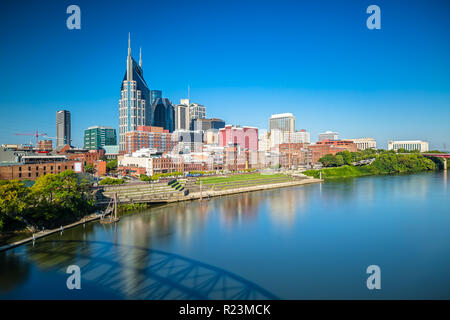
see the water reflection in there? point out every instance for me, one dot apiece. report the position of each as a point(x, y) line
point(284, 240)
point(141, 273)
point(13, 271)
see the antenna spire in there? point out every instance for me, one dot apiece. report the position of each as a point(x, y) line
point(140, 57)
point(129, 43)
point(129, 60)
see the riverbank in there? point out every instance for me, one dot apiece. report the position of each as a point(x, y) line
point(216, 193)
point(347, 164)
point(45, 233)
point(211, 189)
point(348, 171)
point(194, 189)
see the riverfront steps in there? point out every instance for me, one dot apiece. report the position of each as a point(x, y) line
point(162, 193)
point(215, 193)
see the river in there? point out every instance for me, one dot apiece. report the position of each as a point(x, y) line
point(306, 242)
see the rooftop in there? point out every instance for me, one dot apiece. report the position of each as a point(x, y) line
point(281, 115)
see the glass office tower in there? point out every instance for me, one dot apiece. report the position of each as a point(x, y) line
point(155, 94)
point(163, 114)
point(97, 137)
point(135, 100)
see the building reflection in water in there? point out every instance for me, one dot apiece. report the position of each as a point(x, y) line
point(238, 209)
point(284, 204)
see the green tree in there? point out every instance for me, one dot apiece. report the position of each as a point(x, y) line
point(328, 160)
point(13, 195)
point(111, 165)
point(89, 168)
point(339, 160)
point(346, 156)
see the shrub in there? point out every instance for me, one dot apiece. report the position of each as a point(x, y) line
point(108, 180)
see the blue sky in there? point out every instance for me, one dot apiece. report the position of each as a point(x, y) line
point(243, 60)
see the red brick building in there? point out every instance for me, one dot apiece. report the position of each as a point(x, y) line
point(149, 137)
point(100, 168)
point(163, 165)
point(322, 148)
point(294, 154)
point(87, 157)
point(32, 171)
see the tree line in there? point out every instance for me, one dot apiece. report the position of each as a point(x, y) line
point(53, 200)
point(384, 162)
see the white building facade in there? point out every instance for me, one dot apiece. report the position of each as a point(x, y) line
point(182, 116)
point(364, 143)
point(301, 136)
point(408, 145)
point(328, 135)
point(283, 121)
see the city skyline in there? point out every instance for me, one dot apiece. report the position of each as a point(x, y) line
point(391, 86)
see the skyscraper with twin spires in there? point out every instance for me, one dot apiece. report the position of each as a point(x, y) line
point(135, 101)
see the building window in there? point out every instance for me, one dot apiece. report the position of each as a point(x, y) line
point(20, 168)
point(20, 175)
point(29, 174)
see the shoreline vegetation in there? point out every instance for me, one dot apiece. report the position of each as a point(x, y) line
point(54, 200)
point(374, 163)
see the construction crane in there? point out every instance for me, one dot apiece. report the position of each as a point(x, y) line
point(37, 134)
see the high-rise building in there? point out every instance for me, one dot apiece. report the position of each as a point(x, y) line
point(185, 102)
point(328, 135)
point(276, 138)
point(63, 135)
point(283, 121)
point(156, 138)
point(207, 124)
point(163, 114)
point(409, 145)
point(182, 115)
point(197, 111)
point(264, 141)
point(187, 141)
point(155, 94)
point(97, 137)
point(245, 137)
point(211, 136)
point(135, 100)
point(301, 136)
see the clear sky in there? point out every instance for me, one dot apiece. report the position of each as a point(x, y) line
point(244, 60)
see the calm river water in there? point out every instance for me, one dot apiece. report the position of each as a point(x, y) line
point(306, 242)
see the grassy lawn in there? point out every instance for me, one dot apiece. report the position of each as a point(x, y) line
point(239, 177)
